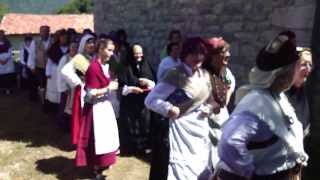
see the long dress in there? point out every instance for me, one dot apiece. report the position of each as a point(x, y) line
point(73, 73)
point(98, 140)
point(66, 97)
point(218, 119)
point(55, 53)
point(134, 116)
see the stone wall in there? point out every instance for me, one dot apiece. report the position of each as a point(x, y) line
point(246, 24)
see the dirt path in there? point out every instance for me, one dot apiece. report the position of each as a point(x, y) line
point(32, 148)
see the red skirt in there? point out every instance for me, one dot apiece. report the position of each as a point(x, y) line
point(85, 155)
point(76, 115)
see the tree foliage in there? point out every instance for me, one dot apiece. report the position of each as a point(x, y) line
point(3, 10)
point(77, 7)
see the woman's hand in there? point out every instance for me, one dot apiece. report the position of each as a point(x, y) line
point(174, 112)
point(147, 83)
point(136, 90)
point(205, 111)
point(143, 82)
point(113, 85)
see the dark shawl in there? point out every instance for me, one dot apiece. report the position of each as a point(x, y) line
point(131, 73)
point(129, 76)
point(55, 53)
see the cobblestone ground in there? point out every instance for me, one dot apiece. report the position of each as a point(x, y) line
point(32, 147)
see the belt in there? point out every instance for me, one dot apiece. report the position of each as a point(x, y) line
point(226, 175)
point(289, 173)
point(293, 172)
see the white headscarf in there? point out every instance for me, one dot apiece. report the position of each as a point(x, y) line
point(258, 79)
point(83, 42)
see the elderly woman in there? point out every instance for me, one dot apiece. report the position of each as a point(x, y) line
point(181, 96)
point(135, 81)
point(297, 93)
point(263, 139)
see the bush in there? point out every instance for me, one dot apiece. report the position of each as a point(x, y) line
point(77, 7)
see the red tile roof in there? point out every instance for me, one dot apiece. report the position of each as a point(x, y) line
point(13, 23)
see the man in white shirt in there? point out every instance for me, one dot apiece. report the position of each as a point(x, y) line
point(38, 58)
point(173, 49)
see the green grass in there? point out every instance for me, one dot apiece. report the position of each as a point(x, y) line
point(32, 147)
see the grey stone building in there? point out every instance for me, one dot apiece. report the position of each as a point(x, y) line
point(246, 24)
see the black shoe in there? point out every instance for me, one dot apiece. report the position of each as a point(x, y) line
point(8, 91)
point(100, 177)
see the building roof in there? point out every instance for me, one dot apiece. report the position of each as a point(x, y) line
point(14, 24)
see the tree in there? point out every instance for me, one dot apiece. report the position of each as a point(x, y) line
point(3, 10)
point(77, 7)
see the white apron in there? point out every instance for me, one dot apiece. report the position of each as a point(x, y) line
point(52, 93)
point(190, 147)
point(105, 128)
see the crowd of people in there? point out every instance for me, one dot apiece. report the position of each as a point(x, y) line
point(104, 91)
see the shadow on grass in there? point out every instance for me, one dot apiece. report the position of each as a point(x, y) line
point(63, 168)
point(24, 121)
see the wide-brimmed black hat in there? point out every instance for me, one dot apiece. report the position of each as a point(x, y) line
point(279, 52)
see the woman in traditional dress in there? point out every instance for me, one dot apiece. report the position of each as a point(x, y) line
point(7, 71)
point(222, 88)
point(99, 141)
point(73, 72)
point(182, 96)
point(55, 53)
point(297, 94)
point(263, 139)
point(65, 106)
point(135, 80)
point(217, 65)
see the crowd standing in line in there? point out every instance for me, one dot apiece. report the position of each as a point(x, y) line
point(104, 92)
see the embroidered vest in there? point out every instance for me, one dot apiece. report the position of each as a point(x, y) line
point(280, 117)
point(199, 90)
point(41, 54)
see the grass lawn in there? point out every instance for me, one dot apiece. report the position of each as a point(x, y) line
point(32, 147)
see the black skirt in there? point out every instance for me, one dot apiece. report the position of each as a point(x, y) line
point(8, 81)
